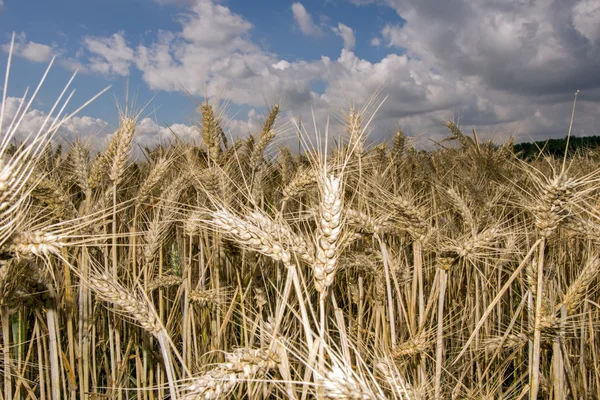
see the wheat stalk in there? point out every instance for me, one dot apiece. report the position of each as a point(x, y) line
point(37, 243)
point(339, 383)
point(157, 173)
point(164, 281)
point(329, 230)
point(123, 139)
point(577, 290)
point(249, 235)
point(110, 291)
point(80, 160)
point(211, 129)
point(239, 366)
point(284, 234)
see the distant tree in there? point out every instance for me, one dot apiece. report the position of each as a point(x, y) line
point(556, 147)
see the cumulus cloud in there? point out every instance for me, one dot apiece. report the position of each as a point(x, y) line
point(212, 25)
point(73, 64)
point(226, 63)
point(516, 46)
point(94, 131)
point(586, 14)
point(149, 133)
point(110, 55)
point(304, 20)
point(501, 66)
point(176, 2)
point(347, 34)
point(82, 127)
point(30, 50)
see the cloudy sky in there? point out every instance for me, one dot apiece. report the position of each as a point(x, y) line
point(503, 66)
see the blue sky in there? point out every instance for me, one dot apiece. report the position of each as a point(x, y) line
point(507, 67)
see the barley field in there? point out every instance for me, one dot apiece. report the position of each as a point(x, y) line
point(243, 269)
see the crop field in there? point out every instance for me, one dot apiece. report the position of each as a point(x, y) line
point(346, 269)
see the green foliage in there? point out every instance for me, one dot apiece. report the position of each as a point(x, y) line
point(556, 147)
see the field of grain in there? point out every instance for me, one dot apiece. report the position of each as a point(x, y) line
point(243, 269)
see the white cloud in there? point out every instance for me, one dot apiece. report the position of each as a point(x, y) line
point(212, 25)
point(110, 55)
point(149, 133)
point(36, 52)
point(73, 64)
point(83, 127)
point(517, 46)
point(304, 20)
point(176, 2)
point(495, 66)
point(93, 131)
point(586, 17)
point(32, 51)
point(235, 69)
point(347, 34)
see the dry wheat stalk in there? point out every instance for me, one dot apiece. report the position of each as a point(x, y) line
point(81, 165)
point(211, 128)
point(479, 242)
point(102, 164)
point(509, 343)
point(365, 223)
point(458, 135)
point(14, 176)
point(37, 243)
point(462, 207)
point(124, 137)
point(10, 276)
point(411, 218)
point(208, 297)
point(355, 130)
point(329, 230)
point(154, 177)
point(300, 183)
point(193, 224)
point(369, 262)
point(287, 165)
point(385, 370)
point(249, 235)
point(552, 209)
point(160, 225)
point(241, 365)
point(415, 345)
point(283, 234)
point(110, 291)
point(341, 384)
point(577, 290)
point(266, 137)
point(155, 236)
point(586, 227)
point(7, 183)
point(399, 145)
point(164, 281)
point(259, 297)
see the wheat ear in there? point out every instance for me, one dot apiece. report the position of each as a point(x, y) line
point(239, 366)
point(249, 235)
point(342, 385)
point(578, 289)
point(109, 290)
point(329, 229)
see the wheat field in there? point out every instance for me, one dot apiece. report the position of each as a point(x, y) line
point(243, 269)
